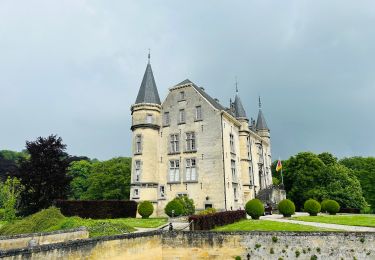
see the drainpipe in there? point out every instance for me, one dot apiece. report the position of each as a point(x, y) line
point(222, 145)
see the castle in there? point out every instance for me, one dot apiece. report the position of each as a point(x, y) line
point(192, 145)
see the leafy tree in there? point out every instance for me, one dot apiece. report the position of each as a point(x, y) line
point(327, 158)
point(187, 204)
point(364, 170)
point(10, 192)
point(307, 176)
point(109, 180)
point(44, 174)
point(80, 172)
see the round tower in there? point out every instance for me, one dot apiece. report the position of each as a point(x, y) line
point(146, 123)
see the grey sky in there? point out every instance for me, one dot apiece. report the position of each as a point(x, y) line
point(73, 68)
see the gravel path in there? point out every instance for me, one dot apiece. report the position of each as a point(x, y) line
point(279, 218)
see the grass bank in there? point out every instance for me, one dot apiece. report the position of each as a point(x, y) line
point(349, 220)
point(51, 220)
point(267, 225)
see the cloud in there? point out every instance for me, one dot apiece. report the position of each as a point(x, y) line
point(74, 68)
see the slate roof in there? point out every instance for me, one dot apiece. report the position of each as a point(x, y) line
point(261, 122)
point(211, 100)
point(148, 92)
point(239, 110)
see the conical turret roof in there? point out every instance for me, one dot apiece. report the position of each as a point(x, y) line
point(261, 121)
point(239, 110)
point(148, 92)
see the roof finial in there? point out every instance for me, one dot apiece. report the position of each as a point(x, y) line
point(260, 103)
point(236, 83)
point(149, 56)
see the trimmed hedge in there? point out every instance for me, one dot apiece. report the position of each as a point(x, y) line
point(145, 209)
point(254, 208)
point(332, 207)
point(312, 207)
point(323, 205)
point(98, 209)
point(210, 221)
point(176, 206)
point(350, 210)
point(286, 207)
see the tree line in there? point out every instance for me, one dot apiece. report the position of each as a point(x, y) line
point(349, 181)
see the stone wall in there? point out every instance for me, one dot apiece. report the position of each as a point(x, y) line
point(26, 240)
point(209, 245)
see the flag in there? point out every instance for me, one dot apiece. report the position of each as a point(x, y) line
point(279, 166)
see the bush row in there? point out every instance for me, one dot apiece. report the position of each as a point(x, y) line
point(98, 209)
point(210, 221)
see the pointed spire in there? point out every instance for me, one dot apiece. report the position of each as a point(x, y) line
point(148, 92)
point(238, 107)
point(149, 56)
point(261, 121)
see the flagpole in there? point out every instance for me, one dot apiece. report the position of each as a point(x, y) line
point(282, 178)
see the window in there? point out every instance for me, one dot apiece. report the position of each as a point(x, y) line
point(138, 144)
point(190, 141)
point(136, 193)
point(162, 191)
point(198, 113)
point(174, 171)
point(149, 119)
point(137, 175)
point(235, 193)
point(182, 95)
point(191, 172)
point(250, 176)
point(166, 118)
point(248, 148)
point(174, 143)
point(182, 116)
point(231, 140)
point(233, 168)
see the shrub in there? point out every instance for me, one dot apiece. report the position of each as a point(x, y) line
point(207, 211)
point(145, 209)
point(332, 207)
point(286, 207)
point(210, 221)
point(312, 207)
point(254, 208)
point(98, 209)
point(174, 208)
point(187, 205)
point(38, 222)
point(323, 206)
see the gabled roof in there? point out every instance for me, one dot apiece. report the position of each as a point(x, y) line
point(239, 110)
point(148, 92)
point(261, 121)
point(211, 100)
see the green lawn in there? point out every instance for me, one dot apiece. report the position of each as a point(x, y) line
point(350, 220)
point(142, 223)
point(266, 225)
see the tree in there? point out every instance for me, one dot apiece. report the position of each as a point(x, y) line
point(109, 180)
point(307, 176)
point(79, 171)
point(364, 170)
point(10, 192)
point(327, 158)
point(44, 174)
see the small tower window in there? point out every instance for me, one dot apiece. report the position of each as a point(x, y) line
point(233, 168)
point(166, 118)
point(182, 116)
point(162, 191)
point(138, 144)
point(198, 113)
point(137, 175)
point(136, 193)
point(231, 140)
point(149, 119)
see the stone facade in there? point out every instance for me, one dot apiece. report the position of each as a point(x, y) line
point(192, 145)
